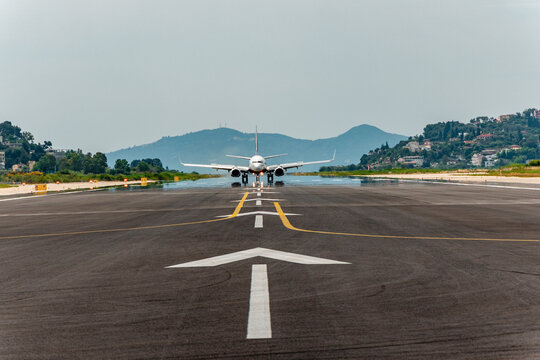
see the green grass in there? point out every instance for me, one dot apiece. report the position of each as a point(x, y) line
point(3, 186)
point(519, 170)
point(40, 178)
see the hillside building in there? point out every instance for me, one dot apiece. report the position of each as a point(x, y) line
point(2, 160)
point(12, 145)
point(490, 160)
point(476, 159)
point(58, 154)
point(502, 118)
point(485, 137)
point(413, 146)
point(19, 167)
point(416, 161)
point(536, 114)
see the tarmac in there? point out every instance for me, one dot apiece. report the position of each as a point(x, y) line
point(378, 271)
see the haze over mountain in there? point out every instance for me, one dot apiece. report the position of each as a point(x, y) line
point(211, 146)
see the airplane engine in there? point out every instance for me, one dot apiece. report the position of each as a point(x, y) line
point(279, 171)
point(235, 172)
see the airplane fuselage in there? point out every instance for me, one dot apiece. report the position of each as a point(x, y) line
point(257, 164)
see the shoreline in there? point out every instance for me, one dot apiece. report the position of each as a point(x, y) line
point(54, 187)
point(461, 177)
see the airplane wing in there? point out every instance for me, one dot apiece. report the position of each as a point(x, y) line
point(219, 166)
point(299, 163)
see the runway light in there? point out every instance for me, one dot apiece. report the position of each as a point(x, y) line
point(23, 183)
point(125, 185)
point(261, 173)
point(125, 179)
point(58, 182)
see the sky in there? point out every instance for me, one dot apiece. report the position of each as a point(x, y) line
point(108, 74)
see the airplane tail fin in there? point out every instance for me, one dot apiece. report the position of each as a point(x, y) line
point(256, 141)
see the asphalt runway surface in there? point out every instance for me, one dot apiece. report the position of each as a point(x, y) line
point(422, 271)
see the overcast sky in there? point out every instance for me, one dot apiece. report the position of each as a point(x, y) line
point(102, 75)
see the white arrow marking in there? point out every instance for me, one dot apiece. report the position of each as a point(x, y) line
point(251, 253)
point(259, 323)
point(258, 221)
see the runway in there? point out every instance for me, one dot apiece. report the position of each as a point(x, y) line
point(383, 270)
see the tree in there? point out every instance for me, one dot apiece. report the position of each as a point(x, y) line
point(28, 136)
point(143, 166)
point(16, 156)
point(72, 161)
point(8, 130)
point(96, 164)
point(100, 163)
point(47, 144)
point(46, 164)
point(121, 166)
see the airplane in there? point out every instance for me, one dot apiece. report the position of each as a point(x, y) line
point(257, 165)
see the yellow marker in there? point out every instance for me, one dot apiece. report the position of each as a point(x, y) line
point(144, 182)
point(288, 225)
point(41, 187)
point(239, 207)
point(176, 179)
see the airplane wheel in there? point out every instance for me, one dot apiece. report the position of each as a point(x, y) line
point(270, 179)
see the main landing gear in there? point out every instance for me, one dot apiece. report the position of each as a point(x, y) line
point(270, 178)
point(245, 179)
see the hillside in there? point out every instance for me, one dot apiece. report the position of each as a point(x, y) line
point(483, 142)
point(18, 148)
point(211, 146)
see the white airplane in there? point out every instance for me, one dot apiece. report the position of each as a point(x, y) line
point(257, 165)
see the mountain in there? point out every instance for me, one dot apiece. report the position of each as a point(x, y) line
point(211, 146)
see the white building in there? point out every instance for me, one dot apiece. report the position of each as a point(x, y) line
point(476, 159)
point(416, 161)
point(413, 146)
point(490, 160)
point(2, 160)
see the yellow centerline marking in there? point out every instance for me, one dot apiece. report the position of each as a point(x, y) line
point(233, 215)
point(288, 225)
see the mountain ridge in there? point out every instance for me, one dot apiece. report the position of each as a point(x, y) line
point(211, 145)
